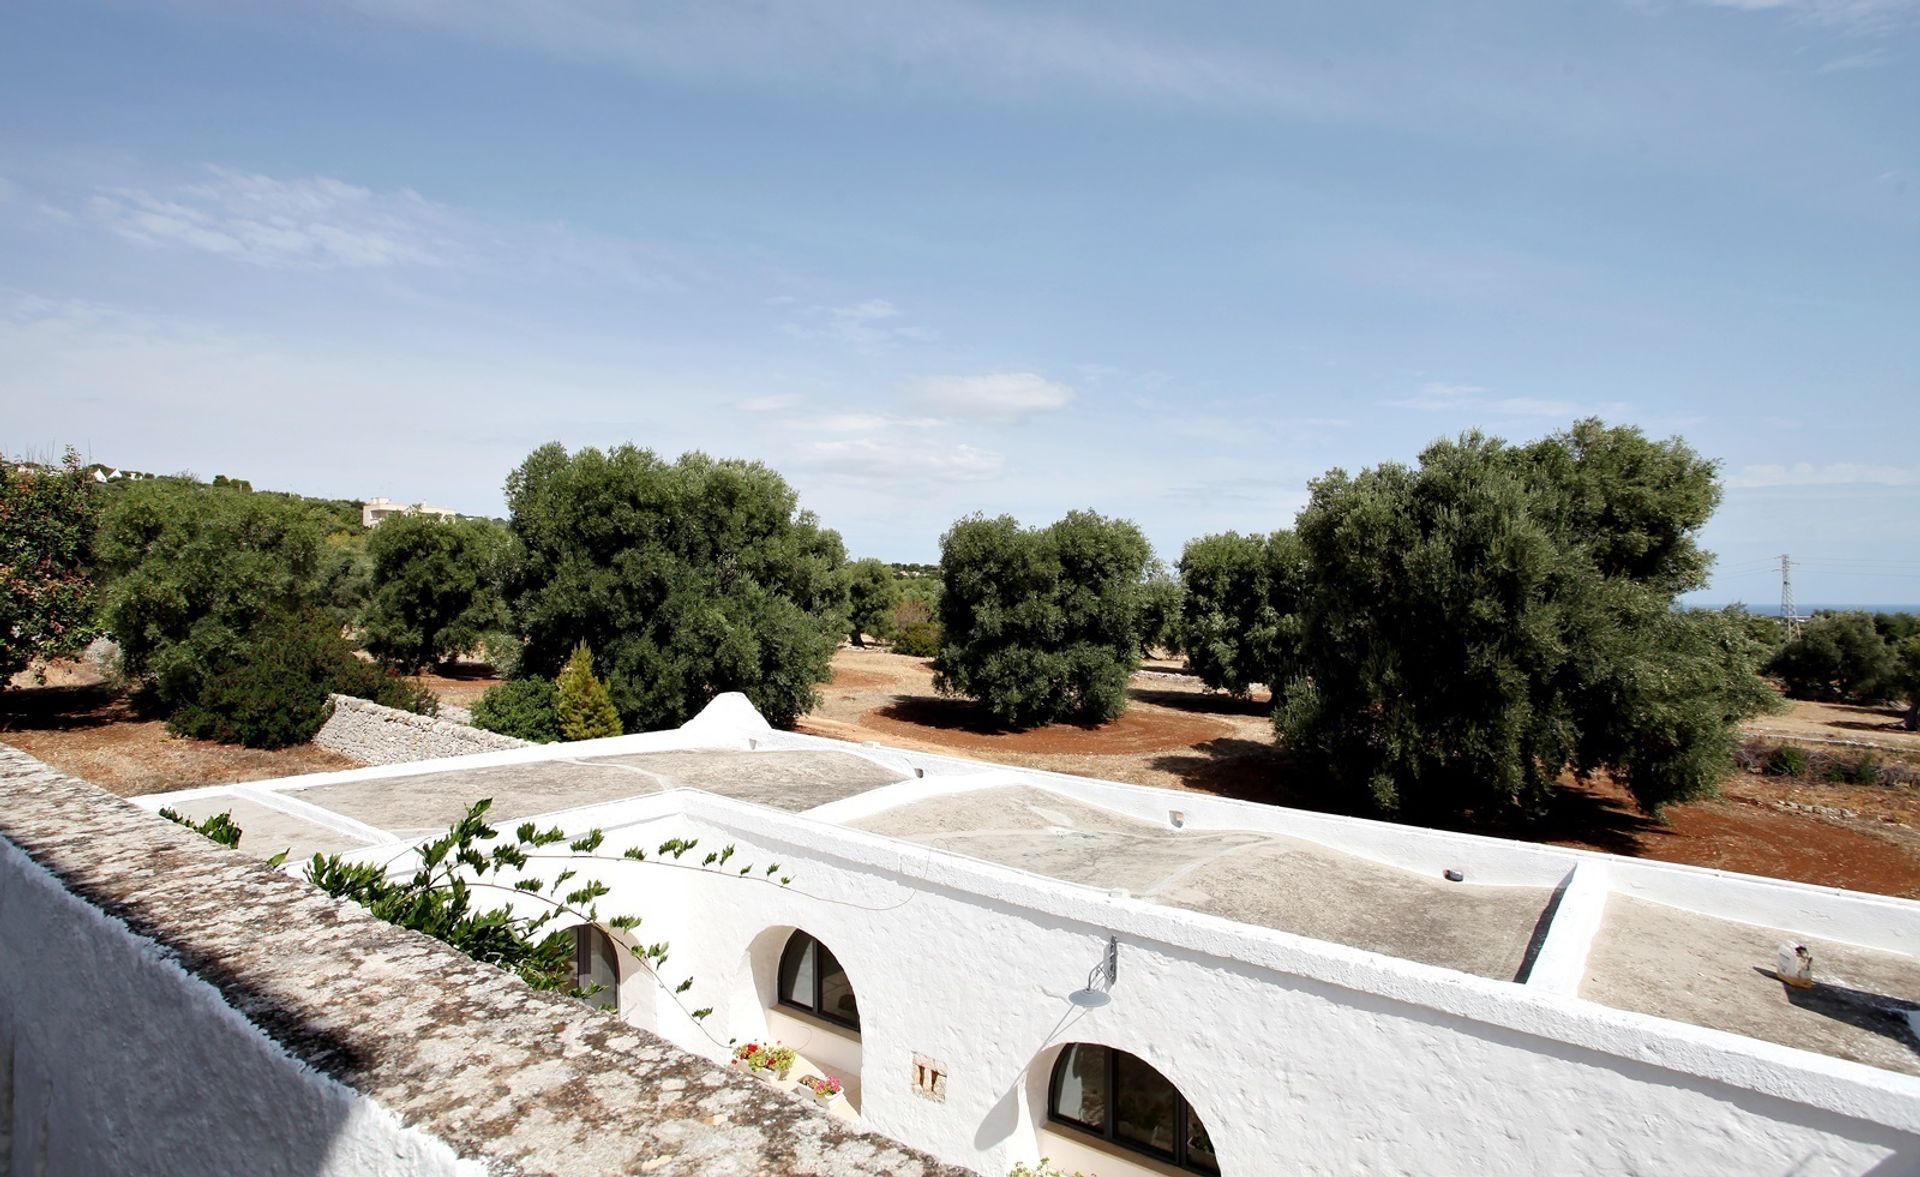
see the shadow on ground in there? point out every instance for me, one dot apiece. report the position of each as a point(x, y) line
point(1202, 703)
point(1876, 1013)
point(951, 715)
point(62, 708)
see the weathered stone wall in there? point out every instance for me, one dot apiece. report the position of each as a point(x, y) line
point(169, 1007)
point(373, 734)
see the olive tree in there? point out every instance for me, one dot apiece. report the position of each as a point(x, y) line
point(436, 588)
point(686, 579)
point(872, 592)
point(1239, 614)
point(1041, 624)
point(1472, 627)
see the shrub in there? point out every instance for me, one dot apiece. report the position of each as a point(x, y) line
point(220, 827)
point(524, 708)
point(46, 555)
point(581, 702)
point(1838, 656)
point(502, 652)
point(1864, 769)
point(918, 639)
point(1786, 760)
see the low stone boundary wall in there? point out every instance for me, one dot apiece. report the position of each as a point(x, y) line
point(170, 1007)
point(373, 734)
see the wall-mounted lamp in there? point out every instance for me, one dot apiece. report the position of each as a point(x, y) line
point(1098, 990)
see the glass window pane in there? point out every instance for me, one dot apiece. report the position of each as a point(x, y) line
point(1145, 1106)
point(1080, 1086)
point(596, 965)
point(1200, 1146)
point(796, 970)
point(836, 992)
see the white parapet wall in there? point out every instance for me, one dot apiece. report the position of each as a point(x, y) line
point(171, 1007)
point(373, 734)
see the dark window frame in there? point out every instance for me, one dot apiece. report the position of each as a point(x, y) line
point(818, 1008)
point(1109, 1134)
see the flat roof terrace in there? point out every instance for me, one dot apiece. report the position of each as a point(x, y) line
point(388, 808)
point(1660, 960)
point(1287, 884)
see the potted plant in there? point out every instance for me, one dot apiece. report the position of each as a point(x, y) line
point(762, 1059)
point(825, 1088)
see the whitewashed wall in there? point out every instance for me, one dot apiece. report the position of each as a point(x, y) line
point(1300, 1056)
point(115, 1060)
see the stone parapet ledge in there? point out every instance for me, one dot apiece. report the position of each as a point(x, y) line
point(511, 1080)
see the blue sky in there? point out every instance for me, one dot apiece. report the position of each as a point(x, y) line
point(1167, 261)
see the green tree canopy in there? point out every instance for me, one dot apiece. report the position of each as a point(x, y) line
point(1160, 601)
point(1042, 624)
point(872, 593)
point(47, 522)
point(192, 570)
point(213, 595)
point(1838, 656)
point(436, 588)
point(1474, 626)
point(1240, 611)
point(689, 578)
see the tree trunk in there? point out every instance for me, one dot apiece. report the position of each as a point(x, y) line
point(1913, 715)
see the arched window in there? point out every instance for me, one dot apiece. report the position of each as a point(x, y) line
point(812, 980)
point(1120, 1099)
point(596, 961)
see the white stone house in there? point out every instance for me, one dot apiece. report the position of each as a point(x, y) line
point(1002, 964)
point(376, 510)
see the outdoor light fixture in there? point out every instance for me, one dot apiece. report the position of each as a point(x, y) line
point(1100, 981)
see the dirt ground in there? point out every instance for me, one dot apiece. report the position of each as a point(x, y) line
point(1178, 735)
point(87, 730)
point(460, 684)
point(1881, 727)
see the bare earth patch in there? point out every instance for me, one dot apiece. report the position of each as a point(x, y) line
point(1178, 735)
point(90, 732)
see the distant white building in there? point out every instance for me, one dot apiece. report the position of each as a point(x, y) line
point(1000, 964)
point(374, 511)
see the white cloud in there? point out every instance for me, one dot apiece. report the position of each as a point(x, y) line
point(779, 402)
point(1440, 397)
point(886, 460)
point(1828, 474)
point(999, 398)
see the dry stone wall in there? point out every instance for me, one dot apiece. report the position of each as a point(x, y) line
point(373, 734)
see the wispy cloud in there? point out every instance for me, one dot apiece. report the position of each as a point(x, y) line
point(886, 460)
point(998, 398)
point(309, 223)
point(776, 403)
point(1440, 397)
point(323, 223)
point(986, 48)
point(1828, 474)
point(1855, 14)
point(869, 326)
